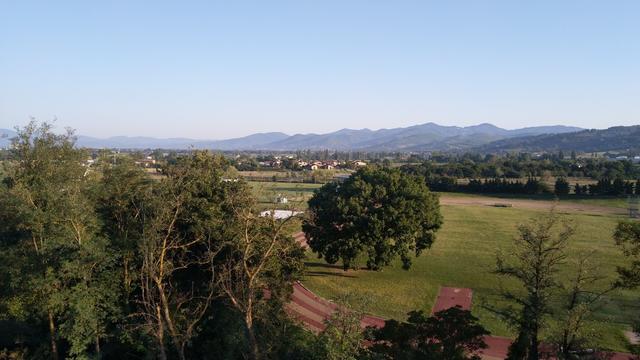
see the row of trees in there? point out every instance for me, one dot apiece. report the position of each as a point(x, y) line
point(616, 187)
point(488, 186)
point(532, 186)
point(519, 166)
point(607, 186)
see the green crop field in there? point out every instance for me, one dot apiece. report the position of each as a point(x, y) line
point(464, 256)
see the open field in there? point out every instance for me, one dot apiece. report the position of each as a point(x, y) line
point(464, 256)
point(267, 191)
point(594, 206)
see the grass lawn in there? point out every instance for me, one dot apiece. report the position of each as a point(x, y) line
point(464, 256)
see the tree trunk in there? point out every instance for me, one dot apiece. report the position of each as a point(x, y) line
point(160, 335)
point(167, 317)
point(52, 334)
point(533, 351)
point(251, 336)
point(98, 346)
point(181, 353)
point(565, 345)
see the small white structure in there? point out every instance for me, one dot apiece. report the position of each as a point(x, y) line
point(280, 214)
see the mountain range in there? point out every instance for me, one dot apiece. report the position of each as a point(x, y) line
point(424, 137)
point(613, 138)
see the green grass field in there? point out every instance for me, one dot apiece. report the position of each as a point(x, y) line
point(619, 202)
point(464, 255)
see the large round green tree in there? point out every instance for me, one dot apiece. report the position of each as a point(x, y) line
point(377, 214)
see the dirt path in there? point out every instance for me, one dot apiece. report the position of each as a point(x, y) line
point(543, 205)
point(449, 297)
point(313, 310)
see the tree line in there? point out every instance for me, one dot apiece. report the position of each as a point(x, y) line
point(532, 186)
point(524, 165)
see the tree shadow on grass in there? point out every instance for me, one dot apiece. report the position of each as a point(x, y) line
point(329, 273)
point(332, 270)
point(322, 265)
point(312, 264)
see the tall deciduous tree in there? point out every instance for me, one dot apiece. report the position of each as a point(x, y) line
point(260, 262)
point(343, 338)
point(580, 295)
point(538, 254)
point(63, 278)
point(181, 237)
point(380, 214)
point(122, 201)
point(627, 236)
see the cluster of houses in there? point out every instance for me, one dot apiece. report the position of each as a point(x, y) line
point(635, 159)
point(315, 164)
point(146, 162)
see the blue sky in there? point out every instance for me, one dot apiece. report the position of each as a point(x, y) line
point(222, 69)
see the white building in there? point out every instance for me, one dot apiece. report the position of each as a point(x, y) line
point(280, 214)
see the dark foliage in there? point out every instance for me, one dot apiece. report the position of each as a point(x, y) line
point(452, 334)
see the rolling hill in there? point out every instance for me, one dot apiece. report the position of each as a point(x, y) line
point(613, 138)
point(124, 142)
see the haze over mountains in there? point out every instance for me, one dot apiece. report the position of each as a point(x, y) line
point(424, 137)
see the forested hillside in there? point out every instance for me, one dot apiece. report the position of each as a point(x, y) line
point(613, 138)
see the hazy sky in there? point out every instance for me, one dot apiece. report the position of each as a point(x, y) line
point(221, 69)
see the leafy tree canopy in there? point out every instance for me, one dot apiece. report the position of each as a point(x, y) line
point(452, 334)
point(377, 213)
point(627, 236)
